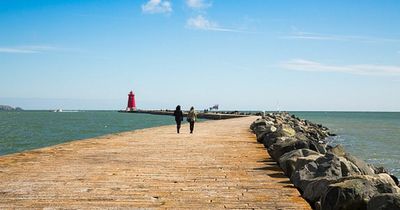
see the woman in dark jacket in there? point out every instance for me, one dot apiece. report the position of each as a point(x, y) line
point(178, 117)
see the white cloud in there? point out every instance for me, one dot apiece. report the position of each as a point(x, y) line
point(360, 69)
point(27, 49)
point(202, 23)
point(334, 37)
point(15, 50)
point(157, 6)
point(197, 4)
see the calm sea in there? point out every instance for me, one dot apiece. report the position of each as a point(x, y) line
point(26, 130)
point(373, 136)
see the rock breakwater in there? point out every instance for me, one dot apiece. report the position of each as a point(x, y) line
point(327, 176)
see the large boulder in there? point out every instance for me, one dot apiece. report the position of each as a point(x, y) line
point(348, 168)
point(315, 188)
point(381, 169)
point(316, 146)
point(354, 192)
point(327, 166)
point(259, 129)
point(282, 132)
point(285, 145)
point(263, 130)
point(270, 139)
point(362, 166)
point(338, 150)
point(385, 201)
point(356, 166)
point(287, 161)
point(286, 130)
point(258, 122)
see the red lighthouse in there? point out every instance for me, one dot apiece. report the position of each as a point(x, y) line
point(131, 102)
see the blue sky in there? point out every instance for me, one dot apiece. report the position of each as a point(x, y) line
point(243, 54)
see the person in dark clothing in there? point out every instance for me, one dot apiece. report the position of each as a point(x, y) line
point(178, 117)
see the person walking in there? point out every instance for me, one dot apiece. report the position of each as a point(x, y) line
point(178, 117)
point(191, 118)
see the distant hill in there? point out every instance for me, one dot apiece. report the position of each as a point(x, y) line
point(9, 108)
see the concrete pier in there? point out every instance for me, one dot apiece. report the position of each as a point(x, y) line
point(209, 115)
point(219, 166)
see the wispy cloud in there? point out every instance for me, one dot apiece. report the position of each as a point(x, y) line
point(198, 4)
point(27, 49)
point(201, 23)
point(359, 69)
point(335, 37)
point(157, 6)
point(109, 17)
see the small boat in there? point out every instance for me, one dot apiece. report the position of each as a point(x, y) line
point(58, 110)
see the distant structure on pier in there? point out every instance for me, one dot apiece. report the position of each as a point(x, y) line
point(131, 102)
point(215, 107)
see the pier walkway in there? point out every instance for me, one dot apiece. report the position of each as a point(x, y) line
point(219, 166)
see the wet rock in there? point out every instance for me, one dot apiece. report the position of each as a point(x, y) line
point(385, 201)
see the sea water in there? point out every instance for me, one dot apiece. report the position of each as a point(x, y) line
point(372, 136)
point(27, 130)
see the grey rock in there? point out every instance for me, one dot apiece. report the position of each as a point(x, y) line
point(318, 147)
point(286, 130)
point(379, 169)
point(361, 165)
point(364, 168)
point(259, 129)
point(281, 147)
point(269, 139)
point(264, 130)
point(258, 122)
point(354, 192)
point(348, 168)
point(385, 201)
point(288, 160)
point(326, 166)
point(315, 188)
point(338, 150)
